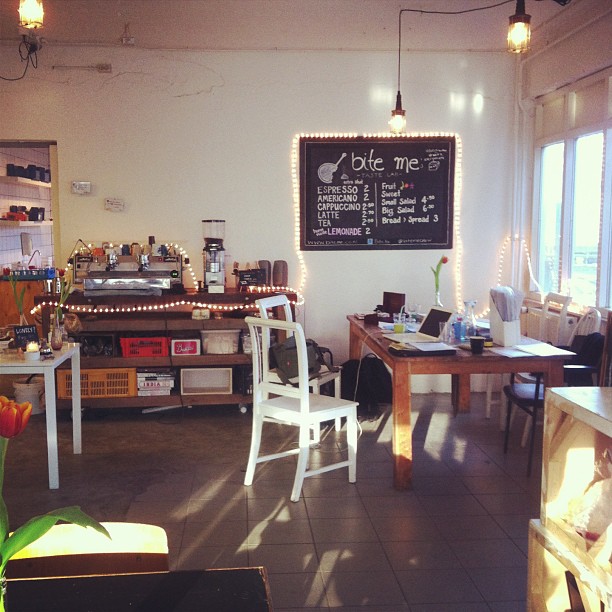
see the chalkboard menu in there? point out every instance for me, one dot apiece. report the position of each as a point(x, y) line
point(367, 192)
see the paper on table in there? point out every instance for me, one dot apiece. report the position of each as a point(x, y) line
point(431, 346)
point(542, 349)
point(507, 351)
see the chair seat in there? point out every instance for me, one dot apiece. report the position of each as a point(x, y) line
point(524, 392)
point(324, 376)
point(288, 408)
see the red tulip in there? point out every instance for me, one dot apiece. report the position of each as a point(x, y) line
point(444, 259)
point(13, 417)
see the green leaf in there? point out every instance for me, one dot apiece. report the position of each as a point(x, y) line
point(39, 525)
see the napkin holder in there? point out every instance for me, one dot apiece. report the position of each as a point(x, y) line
point(503, 333)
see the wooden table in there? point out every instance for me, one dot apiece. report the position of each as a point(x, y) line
point(221, 590)
point(12, 362)
point(459, 366)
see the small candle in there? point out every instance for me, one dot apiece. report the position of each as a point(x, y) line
point(32, 347)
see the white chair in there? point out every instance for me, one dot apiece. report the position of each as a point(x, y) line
point(554, 320)
point(293, 405)
point(325, 375)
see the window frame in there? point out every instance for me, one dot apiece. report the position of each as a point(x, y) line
point(569, 135)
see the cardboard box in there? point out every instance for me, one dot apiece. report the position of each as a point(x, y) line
point(206, 381)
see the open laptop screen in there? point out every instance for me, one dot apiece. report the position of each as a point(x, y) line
point(431, 323)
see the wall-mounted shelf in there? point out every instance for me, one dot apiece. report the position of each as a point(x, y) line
point(24, 182)
point(8, 223)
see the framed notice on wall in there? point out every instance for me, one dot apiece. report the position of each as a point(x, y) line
point(373, 192)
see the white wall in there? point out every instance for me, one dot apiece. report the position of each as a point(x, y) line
point(183, 136)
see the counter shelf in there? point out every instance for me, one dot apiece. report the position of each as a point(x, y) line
point(173, 323)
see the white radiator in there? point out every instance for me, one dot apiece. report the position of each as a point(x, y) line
point(531, 326)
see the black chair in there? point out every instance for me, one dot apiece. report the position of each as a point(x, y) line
point(578, 372)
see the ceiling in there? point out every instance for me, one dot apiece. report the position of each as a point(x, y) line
point(281, 24)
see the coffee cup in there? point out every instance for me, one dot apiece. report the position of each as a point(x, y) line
point(477, 344)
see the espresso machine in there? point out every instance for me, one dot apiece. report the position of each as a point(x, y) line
point(213, 231)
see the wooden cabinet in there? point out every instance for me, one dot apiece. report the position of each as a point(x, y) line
point(105, 321)
point(574, 533)
point(8, 309)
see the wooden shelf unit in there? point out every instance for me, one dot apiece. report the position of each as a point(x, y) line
point(24, 182)
point(173, 323)
point(577, 430)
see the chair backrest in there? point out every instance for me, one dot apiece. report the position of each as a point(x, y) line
point(588, 323)
point(265, 381)
point(553, 329)
point(71, 550)
point(274, 301)
point(605, 373)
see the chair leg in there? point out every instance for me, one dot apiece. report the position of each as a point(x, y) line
point(526, 431)
point(302, 464)
point(489, 394)
point(534, 417)
point(254, 451)
point(508, 418)
point(351, 439)
point(337, 396)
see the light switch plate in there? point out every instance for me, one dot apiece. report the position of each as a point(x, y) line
point(114, 204)
point(81, 187)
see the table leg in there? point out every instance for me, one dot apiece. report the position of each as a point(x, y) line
point(75, 363)
point(51, 417)
point(460, 395)
point(354, 345)
point(402, 428)
point(553, 375)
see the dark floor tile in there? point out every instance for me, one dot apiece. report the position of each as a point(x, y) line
point(362, 589)
point(439, 586)
point(488, 553)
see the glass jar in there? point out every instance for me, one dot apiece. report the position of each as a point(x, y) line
point(471, 325)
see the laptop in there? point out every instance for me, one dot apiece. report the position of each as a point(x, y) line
point(429, 330)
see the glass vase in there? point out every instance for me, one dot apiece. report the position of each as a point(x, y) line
point(57, 339)
point(3, 584)
point(437, 301)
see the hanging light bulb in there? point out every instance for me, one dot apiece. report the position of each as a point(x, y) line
point(397, 123)
point(519, 30)
point(31, 14)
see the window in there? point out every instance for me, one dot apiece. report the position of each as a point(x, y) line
point(572, 207)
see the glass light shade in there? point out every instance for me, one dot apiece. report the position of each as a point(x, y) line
point(519, 33)
point(31, 14)
point(397, 123)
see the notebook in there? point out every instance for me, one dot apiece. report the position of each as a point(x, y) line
point(429, 330)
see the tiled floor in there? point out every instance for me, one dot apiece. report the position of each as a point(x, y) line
point(456, 542)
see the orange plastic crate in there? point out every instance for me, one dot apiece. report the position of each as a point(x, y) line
point(111, 382)
point(145, 347)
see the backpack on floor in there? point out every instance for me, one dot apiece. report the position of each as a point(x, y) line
point(368, 382)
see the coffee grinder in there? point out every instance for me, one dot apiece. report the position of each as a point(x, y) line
point(213, 231)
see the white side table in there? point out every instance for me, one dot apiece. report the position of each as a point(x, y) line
point(14, 363)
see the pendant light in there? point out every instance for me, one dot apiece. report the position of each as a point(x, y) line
point(31, 14)
point(519, 29)
point(397, 123)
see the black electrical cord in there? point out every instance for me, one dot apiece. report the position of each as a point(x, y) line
point(27, 52)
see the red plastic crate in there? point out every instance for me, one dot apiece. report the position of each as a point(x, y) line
point(145, 347)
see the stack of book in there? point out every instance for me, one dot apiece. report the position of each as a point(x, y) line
point(155, 382)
